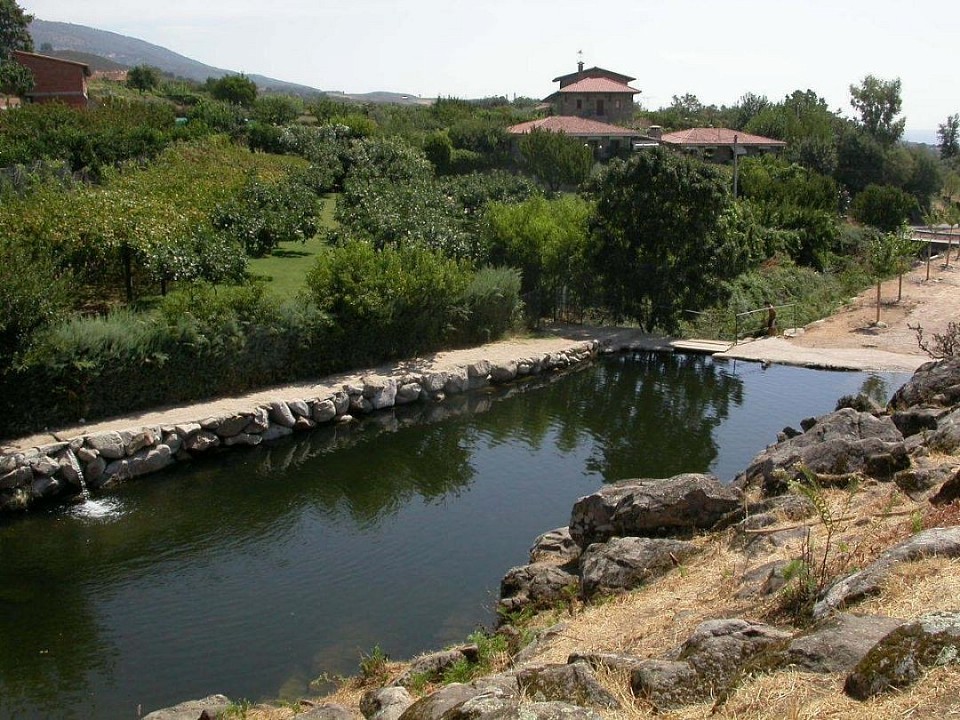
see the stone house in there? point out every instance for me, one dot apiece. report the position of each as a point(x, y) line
point(595, 93)
point(55, 80)
point(604, 139)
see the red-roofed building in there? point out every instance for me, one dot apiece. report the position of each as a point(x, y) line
point(595, 93)
point(54, 79)
point(719, 144)
point(605, 139)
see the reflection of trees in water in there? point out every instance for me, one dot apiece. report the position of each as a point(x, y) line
point(667, 427)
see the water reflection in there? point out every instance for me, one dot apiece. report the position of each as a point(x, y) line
point(253, 571)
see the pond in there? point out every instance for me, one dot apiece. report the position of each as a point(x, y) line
point(253, 572)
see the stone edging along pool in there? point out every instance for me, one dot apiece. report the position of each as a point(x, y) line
point(99, 461)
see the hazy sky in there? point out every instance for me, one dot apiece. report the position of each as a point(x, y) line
point(474, 48)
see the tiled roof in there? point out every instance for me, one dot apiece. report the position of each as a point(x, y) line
point(598, 85)
point(27, 56)
point(576, 126)
point(717, 136)
point(594, 72)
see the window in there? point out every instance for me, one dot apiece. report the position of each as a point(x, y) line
point(600, 110)
point(579, 104)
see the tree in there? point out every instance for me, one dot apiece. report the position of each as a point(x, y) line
point(804, 121)
point(233, 89)
point(656, 249)
point(555, 159)
point(883, 207)
point(143, 78)
point(14, 35)
point(948, 137)
point(878, 103)
point(889, 253)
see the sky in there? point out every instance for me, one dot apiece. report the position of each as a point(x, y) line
point(475, 48)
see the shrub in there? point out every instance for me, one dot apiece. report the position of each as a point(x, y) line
point(883, 206)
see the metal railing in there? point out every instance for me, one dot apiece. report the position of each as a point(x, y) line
point(764, 309)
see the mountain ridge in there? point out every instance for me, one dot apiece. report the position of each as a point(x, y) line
point(129, 51)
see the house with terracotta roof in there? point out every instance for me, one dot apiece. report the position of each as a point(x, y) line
point(55, 79)
point(586, 106)
point(596, 93)
point(606, 140)
point(720, 145)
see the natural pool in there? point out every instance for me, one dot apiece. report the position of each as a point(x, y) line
point(254, 572)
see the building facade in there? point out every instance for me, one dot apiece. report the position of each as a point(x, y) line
point(55, 80)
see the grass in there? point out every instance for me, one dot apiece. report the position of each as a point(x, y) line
point(285, 269)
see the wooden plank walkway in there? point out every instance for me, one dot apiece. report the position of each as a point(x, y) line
point(706, 347)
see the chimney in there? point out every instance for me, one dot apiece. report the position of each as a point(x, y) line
point(580, 66)
point(655, 132)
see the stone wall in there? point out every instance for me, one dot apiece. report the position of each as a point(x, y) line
point(97, 462)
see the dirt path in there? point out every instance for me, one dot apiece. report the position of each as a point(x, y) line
point(851, 339)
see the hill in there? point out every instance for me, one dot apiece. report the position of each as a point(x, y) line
point(128, 51)
point(104, 50)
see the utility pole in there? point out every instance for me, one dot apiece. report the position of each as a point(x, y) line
point(736, 166)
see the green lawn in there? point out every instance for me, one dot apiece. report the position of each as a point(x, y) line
point(285, 269)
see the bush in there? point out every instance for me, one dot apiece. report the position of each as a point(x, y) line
point(883, 206)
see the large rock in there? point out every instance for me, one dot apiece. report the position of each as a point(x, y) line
point(901, 658)
point(108, 444)
point(935, 542)
point(433, 665)
point(328, 711)
point(380, 391)
point(281, 414)
point(437, 704)
point(840, 443)
point(573, 683)
point(934, 384)
point(652, 507)
point(212, 705)
point(668, 684)
point(623, 564)
point(946, 438)
point(385, 703)
point(539, 585)
point(721, 651)
point(839, 643)
point(143, 463)
point(554, 546)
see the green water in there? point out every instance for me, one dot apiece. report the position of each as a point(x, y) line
point(253, 572)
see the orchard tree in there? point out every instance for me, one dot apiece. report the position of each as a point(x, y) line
point(555, 159)
point(14, 35)
point(143, 78)
point(657, 244)
point(233, 89)
point(878, 103)
point(948, 137)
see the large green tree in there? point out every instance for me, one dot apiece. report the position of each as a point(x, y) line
point(878, 103)
point(948, 137)
point(14, 35)
point(143, 78)
point(657, 247)
point(233, 89)
point(555, 159)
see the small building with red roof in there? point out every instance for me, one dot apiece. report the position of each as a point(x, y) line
point(55, 79)
point(605, 139)
point(720, 145)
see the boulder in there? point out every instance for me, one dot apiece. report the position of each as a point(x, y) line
point(764, 580)
point(935, 542)
point(299, 408)
point(924, 476)
point(243, 439)
point(946, 438)
point(328, 711)
point(43, 466)
point(503, 372)
point(652, 507)
point(341, 402)
point(917, 419)
point(433, 383)
point(281, 414)
point(623, 564)
point(434, 665)
point(839, 643)
point(259, 421)
point(573, 683)
point(457, 382)
point(93, 472)
point(554, 546)
point(70, 469)
point(615, 662)
point(380, 391)
point(108, 444)
point(45, 487)
point(143, 463)
point(901, 657)
point(201, 441)
point(539, 585)
point(408, 393)
point(437, 704)
point(230, 425)
point(935, 384)
point(860, 402)
point(541, 640)
point(668, 684)
point(842, 442)
point(323, 411)
point(948, 492)
point(387, 703)
point(212, 705)
point(136, 440)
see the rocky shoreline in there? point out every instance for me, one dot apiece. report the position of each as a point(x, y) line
point(96, 462)
point(638, 537)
